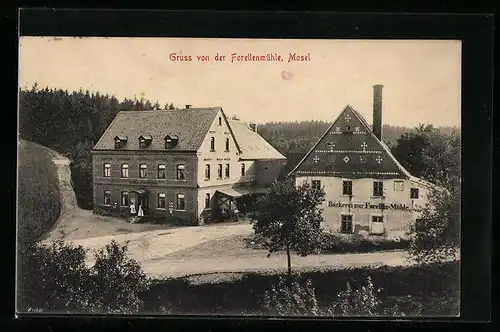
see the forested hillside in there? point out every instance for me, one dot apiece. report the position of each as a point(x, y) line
point(71, 123)
point(304, 134)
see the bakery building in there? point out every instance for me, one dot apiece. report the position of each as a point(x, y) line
point(192, 163)
point(366, 188)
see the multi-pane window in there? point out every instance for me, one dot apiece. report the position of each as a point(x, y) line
point(143, 171)
point(181, 172)
point(227, 171)
point(242, 169)
point(219, 171)
point(106, 170)
point(161, 171)
point(212, 143)
point(124, 171)
point(207, 171)
point(227, 144)
point(316, 184)
point(107, 197)
point(207, 201)
point(181, 202)
point(347, 188)
point(378, 188)
point(398, 185)
point(124, 198)
point(161, 201)
point(414, 193)
point(346, 223)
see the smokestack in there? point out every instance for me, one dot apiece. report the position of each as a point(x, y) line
point(188, 106)
point(377, 110)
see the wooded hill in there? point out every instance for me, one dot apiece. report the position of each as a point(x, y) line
point(304, 134)
point(72, 122)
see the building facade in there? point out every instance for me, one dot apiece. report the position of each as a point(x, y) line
point(366, 188)
point(188, 163)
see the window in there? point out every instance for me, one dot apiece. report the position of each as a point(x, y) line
point(242, 169)
point(220, 121)
point(161, 201)
point(161, 171)
point(180, 172)
point(377, 219)
point(227, 171)
point(124, 199)
point(227, 144)
point(346, 223)
point(398, 185)
point(207, 201)
point(107, 170)
point(212, 144)
point(347, 188)
point(207, 171)
point(107, 197)
point(219, 171)
point(124, 173)
point(143, 171)
point(414, 193)
point(142, 143)
point(181, 204)
point(378, 188)
point(118, 144)
point(316, 184)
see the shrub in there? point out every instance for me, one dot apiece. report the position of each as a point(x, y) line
point(56, 278)
point(290, 297)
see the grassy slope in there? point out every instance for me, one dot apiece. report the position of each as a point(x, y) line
point(38, 191)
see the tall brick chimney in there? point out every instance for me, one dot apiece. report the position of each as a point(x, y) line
point(377, 110)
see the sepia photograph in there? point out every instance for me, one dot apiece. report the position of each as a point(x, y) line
point(239, 177)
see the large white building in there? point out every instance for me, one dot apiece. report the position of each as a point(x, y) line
point(366, 187)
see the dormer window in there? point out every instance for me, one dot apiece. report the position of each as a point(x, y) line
point(144, 141)
point(120, 141)
point(171, 141)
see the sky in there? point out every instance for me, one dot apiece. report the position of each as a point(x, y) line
point(421, 78)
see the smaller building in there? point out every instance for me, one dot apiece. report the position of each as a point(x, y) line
point(366, 188)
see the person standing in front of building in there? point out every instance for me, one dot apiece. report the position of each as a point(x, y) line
point(132, 208)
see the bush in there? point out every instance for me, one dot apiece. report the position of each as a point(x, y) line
point(351, 243)
point(56, 279)
point(290, 297)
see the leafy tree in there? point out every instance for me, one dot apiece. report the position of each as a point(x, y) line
point(435, 235)
point(56, 278)
point(289, 218)
point(431, 154)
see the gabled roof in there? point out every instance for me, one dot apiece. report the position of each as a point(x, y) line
point(190, 125)
point(252, 145)
point(344, 159)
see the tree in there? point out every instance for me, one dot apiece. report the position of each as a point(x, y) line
point(289, 218)
point(431, 154)
point(435, 235)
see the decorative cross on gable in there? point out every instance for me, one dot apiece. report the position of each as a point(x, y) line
point(364, 146)
point(379, 159)
point(347, 117)
point(356, 129)
point(316, 159)
point(337, 128)
point(331, 145)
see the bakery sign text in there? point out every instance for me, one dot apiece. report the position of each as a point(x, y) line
point(367, 205)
